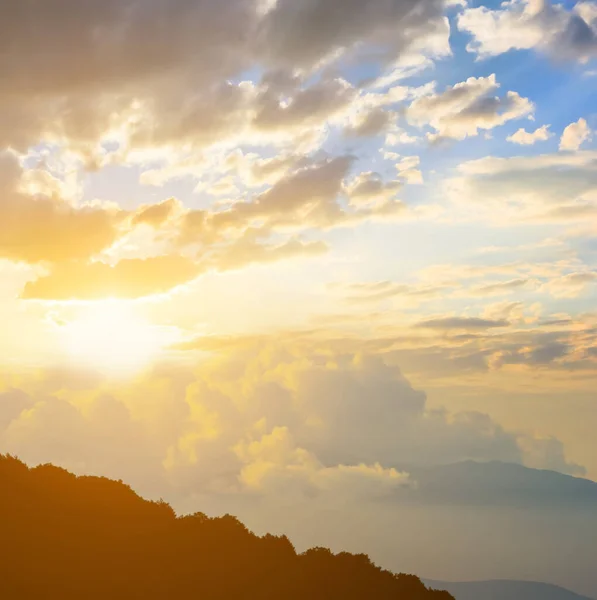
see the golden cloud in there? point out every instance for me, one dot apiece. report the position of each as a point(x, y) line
point(46, 228)
point(131, 278)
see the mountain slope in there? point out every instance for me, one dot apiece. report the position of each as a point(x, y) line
point(504, 590)
point(502, 484)
point(74, 537)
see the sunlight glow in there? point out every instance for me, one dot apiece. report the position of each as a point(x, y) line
point(112, 338)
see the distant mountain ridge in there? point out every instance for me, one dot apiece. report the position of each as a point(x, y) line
point(504, 590)
point(503, 484)
point(512, 523)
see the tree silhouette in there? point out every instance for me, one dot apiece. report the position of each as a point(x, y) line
point(65, 537)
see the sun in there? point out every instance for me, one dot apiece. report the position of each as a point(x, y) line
point(113, 338)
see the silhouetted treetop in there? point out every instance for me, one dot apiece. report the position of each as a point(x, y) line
point(69, 537)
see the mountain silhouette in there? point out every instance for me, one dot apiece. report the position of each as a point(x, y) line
point(500, 484)
point(69, 537)
point(504, 590)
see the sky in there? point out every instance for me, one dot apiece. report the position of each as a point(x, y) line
point(253, 250)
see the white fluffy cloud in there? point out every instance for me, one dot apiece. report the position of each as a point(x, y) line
point(466, 108)
point(575, 135)
point(526, 24)
point(274, 464)
point(528, 138)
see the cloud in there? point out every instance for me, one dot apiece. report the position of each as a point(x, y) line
point(370, 123)
point(220, 112)
point(307, 34)
point(307, 197)
point(12, 404)
point(367, 188)
point(544, 354)
point(467, 107)
point(274, 464)
point(362, 293)
point(94, 251)
point(270, 170)
point(42, 228)
point(508, 311)
point(247, 250)
point(503, 287)
point(262, 416)
point(528, 138)
point(528, 24)
point(190, 94)
point(471, 281)
point(407, 168)
point(281, 109)
point(571, 285)
point(91, 443)
point(287, 109)
point(133, 278)
point(575, 135)
point(140, 28)
point(156, 214)
point(176, 112)
point(124, 50)
point(465, 323)
point(543, 188)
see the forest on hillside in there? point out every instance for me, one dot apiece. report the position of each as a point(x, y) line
point(67, 537)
